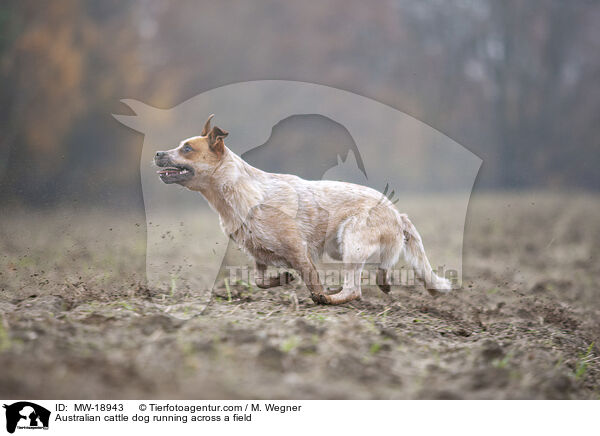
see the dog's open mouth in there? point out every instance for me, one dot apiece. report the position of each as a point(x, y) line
point(175, 174)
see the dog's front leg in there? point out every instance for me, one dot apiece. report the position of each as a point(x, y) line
point(264, 281)
point(310, 275)
point(383, 281)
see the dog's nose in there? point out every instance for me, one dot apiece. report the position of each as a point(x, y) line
point(160, 154)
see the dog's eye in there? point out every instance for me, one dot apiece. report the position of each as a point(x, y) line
point(187, 148)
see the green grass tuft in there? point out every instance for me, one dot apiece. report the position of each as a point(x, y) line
point(228, 290)
point(583, 362)
point(502, 363)
point(375, 347)
point(5, 342)
point(289, 344)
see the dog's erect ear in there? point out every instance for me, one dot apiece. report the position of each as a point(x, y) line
point(215, 140)
point(206, 128)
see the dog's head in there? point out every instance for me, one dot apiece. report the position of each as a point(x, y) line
point(194, 159)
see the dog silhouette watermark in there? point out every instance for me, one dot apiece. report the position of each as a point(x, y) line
point(383, 148)
point(26, 415)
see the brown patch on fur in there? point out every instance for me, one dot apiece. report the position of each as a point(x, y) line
point(215, 140)
point(201, 152)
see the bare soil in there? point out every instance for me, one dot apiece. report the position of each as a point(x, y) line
point(78, 321)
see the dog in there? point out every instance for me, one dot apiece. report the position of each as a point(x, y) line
point(284, 221)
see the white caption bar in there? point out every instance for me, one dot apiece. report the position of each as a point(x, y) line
point(297, 417)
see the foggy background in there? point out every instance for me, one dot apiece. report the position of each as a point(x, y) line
point(515, 82)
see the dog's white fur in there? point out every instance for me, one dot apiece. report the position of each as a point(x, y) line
point(283, 220)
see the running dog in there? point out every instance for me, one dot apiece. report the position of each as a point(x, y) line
point(285, 221)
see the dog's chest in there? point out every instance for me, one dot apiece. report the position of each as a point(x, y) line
point(258, 245)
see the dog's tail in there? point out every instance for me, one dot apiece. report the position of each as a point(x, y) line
point(414, 253)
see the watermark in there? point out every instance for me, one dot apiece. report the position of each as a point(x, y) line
point(25, 415)
point(334, 277)
point(311, 131)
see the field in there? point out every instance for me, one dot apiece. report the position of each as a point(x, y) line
point(78, 320)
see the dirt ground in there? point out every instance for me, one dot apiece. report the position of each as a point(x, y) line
point(77, 320)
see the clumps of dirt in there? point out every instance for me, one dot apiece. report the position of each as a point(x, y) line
point(308, 327)
point(150, 324)
point(548, 286)
point(237, 293)
point(97, 319)
point(271, 358)
point(559, 316)
point(554, 385)
point(491, 350)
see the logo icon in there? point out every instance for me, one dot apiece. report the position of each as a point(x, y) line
point(26, 415)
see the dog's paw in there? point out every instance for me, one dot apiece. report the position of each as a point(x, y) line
point(320, 298)
point(331, 291)
point(386, 289)
point(440, 286)
point(434, 293)
point(437, 292)
point(286, 278)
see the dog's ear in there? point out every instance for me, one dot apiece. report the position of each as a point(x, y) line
point(215, 140)
point(206, 128)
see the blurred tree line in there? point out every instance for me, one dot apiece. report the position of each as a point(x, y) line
point(516, 81)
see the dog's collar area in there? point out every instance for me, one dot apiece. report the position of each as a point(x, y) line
point(220, 163)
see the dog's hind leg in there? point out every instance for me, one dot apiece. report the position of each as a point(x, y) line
point(351, 289)
point(264, 281)
point(389, 252)
point(358, 243)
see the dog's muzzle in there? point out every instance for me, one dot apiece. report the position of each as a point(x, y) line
point(172, 172)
